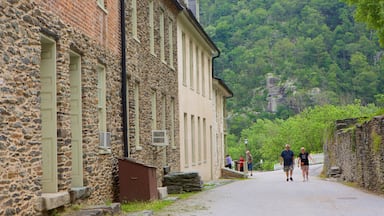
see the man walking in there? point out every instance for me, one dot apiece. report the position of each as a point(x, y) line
point(288, 158)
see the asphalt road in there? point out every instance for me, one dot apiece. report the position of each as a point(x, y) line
point(269, 194)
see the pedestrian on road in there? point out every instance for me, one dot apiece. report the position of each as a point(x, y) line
point(288, 158)
point(241, 163)
point(249, 160)
point(228, 161)
point(303, 161)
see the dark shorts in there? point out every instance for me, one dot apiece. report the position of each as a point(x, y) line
point(288, 168)
point(249, 166)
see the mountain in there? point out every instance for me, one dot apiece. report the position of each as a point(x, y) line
point(314, 50)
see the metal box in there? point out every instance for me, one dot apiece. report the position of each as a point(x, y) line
point(137, 182)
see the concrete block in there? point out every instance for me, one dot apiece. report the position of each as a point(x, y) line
point(163, 192)
point(55, 200)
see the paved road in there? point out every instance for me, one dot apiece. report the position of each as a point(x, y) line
point(269, 194)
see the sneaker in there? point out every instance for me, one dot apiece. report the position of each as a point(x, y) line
point(290, 179)
point(287, 179)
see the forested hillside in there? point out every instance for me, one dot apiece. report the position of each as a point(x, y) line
point(311, 44)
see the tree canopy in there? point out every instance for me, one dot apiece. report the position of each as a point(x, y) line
point(313, 44)
point(370, 12)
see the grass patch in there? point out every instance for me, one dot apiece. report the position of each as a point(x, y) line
point(156, 205)
point(141, 206)
point(351, 184)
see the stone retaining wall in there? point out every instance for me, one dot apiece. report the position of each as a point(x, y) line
point(357, 149)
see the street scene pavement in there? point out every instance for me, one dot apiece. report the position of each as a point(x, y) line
point(268, 193)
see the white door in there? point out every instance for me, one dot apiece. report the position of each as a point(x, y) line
point(76, 120)
point(48, 115)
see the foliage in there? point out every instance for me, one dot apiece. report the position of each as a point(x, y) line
point(309, 129)
point(313, 43)
point(370, 12)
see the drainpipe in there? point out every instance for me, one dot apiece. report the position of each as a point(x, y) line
point(124, 78)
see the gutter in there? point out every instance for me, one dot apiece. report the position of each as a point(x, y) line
point(124, 78)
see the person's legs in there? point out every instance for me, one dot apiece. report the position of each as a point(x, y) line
point(306, 171)
point(291, 172)
point(250, 167)
point(286, 170)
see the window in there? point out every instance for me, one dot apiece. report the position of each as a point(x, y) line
point(193, 140)
point(199, 139)
point(162, 39)
point(101, 92)
point(186, 150)
point(184, 48)
point(151, 29)
point(153, 102)
point(134, 18)
point(136, 92)
point(163, 112)
point(191, 71)
point(172, 116)
point(101, 4)
point(197, 70)
point(209, 80)
point(205, 140)
point(202, 74)
point(170, 41)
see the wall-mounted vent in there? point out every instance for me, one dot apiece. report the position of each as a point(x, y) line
point(159, 138)
point(105, 139)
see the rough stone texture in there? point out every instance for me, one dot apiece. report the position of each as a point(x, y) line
point(152, 75)
point(182, 182)
point(94, 35)
point(358, 150)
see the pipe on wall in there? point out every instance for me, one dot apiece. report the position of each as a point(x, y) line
point(124, 79)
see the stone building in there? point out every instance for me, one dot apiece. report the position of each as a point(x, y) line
point(152, 82)
point(60, 83)
point(76, 96)
point(62, 97)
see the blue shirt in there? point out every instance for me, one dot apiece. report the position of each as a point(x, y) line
point(288, 157)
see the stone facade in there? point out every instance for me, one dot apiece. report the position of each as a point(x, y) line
point(23, 23)
point(358, 150)
point(92, 32)
point(154, 78)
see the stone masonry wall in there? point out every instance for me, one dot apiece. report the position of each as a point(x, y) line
point(22, 22)
point(358, 149)
point(152, 75)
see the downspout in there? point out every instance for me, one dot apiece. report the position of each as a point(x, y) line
point(124, 78)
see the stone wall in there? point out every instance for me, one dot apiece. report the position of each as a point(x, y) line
point(152, 74)
point(96, 40)
point(357, 148)
point(22, 22)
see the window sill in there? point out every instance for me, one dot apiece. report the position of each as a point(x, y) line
point(104, 151)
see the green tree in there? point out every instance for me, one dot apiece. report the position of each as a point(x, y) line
point(370, 12)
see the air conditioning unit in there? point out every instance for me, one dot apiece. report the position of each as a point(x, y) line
point(159, 138)
point(105, 139)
